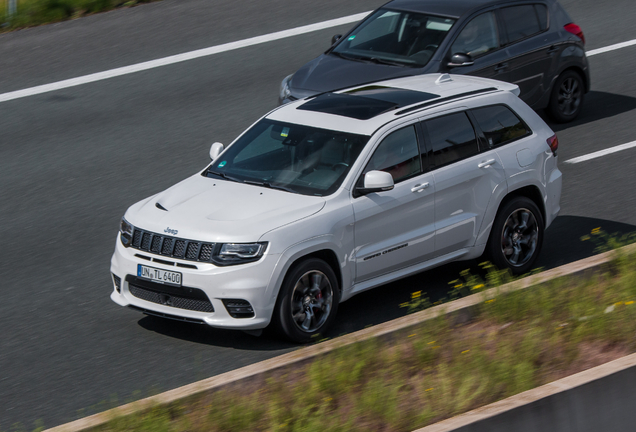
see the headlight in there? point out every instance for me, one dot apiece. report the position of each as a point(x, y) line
point(285, 91)
point(126, 232)
point(239, 253)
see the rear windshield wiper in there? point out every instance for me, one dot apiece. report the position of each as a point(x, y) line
point(222, 175)
point(268, 185)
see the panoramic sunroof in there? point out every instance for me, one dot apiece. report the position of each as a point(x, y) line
point(366, 102)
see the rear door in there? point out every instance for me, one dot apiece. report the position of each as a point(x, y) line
point(533, 51)
point(395, 229)
point(465, 180)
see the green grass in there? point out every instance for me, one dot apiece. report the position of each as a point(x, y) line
point(516, 341)
point(36, 12)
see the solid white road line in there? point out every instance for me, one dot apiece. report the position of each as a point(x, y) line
point(45, 88)
point(601, 153)
point(180, 57)
point(610, 48)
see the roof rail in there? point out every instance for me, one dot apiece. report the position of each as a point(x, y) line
point(444, 99)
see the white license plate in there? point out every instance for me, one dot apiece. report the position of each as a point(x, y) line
point(159, 275)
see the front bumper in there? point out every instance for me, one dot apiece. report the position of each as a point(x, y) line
point(251, 282)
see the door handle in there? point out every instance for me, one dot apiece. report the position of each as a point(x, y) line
point(419, 187)
point(486, 164)
point(501, 66)
point(552, 50)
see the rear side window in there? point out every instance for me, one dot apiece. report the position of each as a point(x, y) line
point(520, 22)
point(451, 139)
point(398, 154)
point(499, 125)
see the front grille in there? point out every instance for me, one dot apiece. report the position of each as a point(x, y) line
point(159, 244)
point(178, 297)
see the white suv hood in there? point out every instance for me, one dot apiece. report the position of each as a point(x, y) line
point(201, 208)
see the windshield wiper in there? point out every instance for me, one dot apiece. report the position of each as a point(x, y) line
point(269, 185)
point(382, 61)
point(346, 57)
point(222, 175)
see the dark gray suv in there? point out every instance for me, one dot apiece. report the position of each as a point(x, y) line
point(533, 44)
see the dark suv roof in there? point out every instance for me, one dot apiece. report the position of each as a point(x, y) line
point(455, 8)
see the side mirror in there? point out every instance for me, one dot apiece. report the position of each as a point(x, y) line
point(460, 59)
point(335, 38)
point(375, 181)
point(216, 150)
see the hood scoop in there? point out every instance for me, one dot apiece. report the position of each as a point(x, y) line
point(160, 207)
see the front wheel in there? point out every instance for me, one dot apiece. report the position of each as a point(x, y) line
point(307, 301)
point(566, 99)
point(516, 236)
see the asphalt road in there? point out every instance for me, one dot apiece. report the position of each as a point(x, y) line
point(72, 161)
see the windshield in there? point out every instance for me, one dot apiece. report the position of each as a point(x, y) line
point(396, 38)
point(291, 157)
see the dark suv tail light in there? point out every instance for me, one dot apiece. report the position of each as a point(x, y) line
point(553, 142)
point(575, 30)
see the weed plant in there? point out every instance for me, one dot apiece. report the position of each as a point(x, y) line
point(36, 12)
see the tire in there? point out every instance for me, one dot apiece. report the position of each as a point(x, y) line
point(517, 235)
point(567, 97)
point(304, 311)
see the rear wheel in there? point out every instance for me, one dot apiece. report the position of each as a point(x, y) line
point(308, 300)
point(517, 235)
point(566, 100)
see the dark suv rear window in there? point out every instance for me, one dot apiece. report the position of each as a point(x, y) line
point(499, 125)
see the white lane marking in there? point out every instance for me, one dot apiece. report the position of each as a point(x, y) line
point(611, 48)
point(72, 82)
point(180, 57)
point(601, 153)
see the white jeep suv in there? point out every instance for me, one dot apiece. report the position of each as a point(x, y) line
point(332, 195)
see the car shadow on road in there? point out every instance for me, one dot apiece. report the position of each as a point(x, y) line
point(596, 106)
point(562, 245)
point(202, 334)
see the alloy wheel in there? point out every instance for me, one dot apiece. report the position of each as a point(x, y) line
point(519, 237)
point(312, 301)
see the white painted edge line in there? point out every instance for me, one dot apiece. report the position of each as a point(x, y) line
point(610, 48)
point(313, 351)
point(125, 70)
point(601, 153)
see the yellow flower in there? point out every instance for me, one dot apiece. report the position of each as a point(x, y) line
point(403, 305)
point(416, 294)
point(490, 301)
point(629, 302)
point(429, 389)
point(431, 343)
point(411, 335)
point(465, 351)
point(476, 287)
point(596, 230)
point(618, 303)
